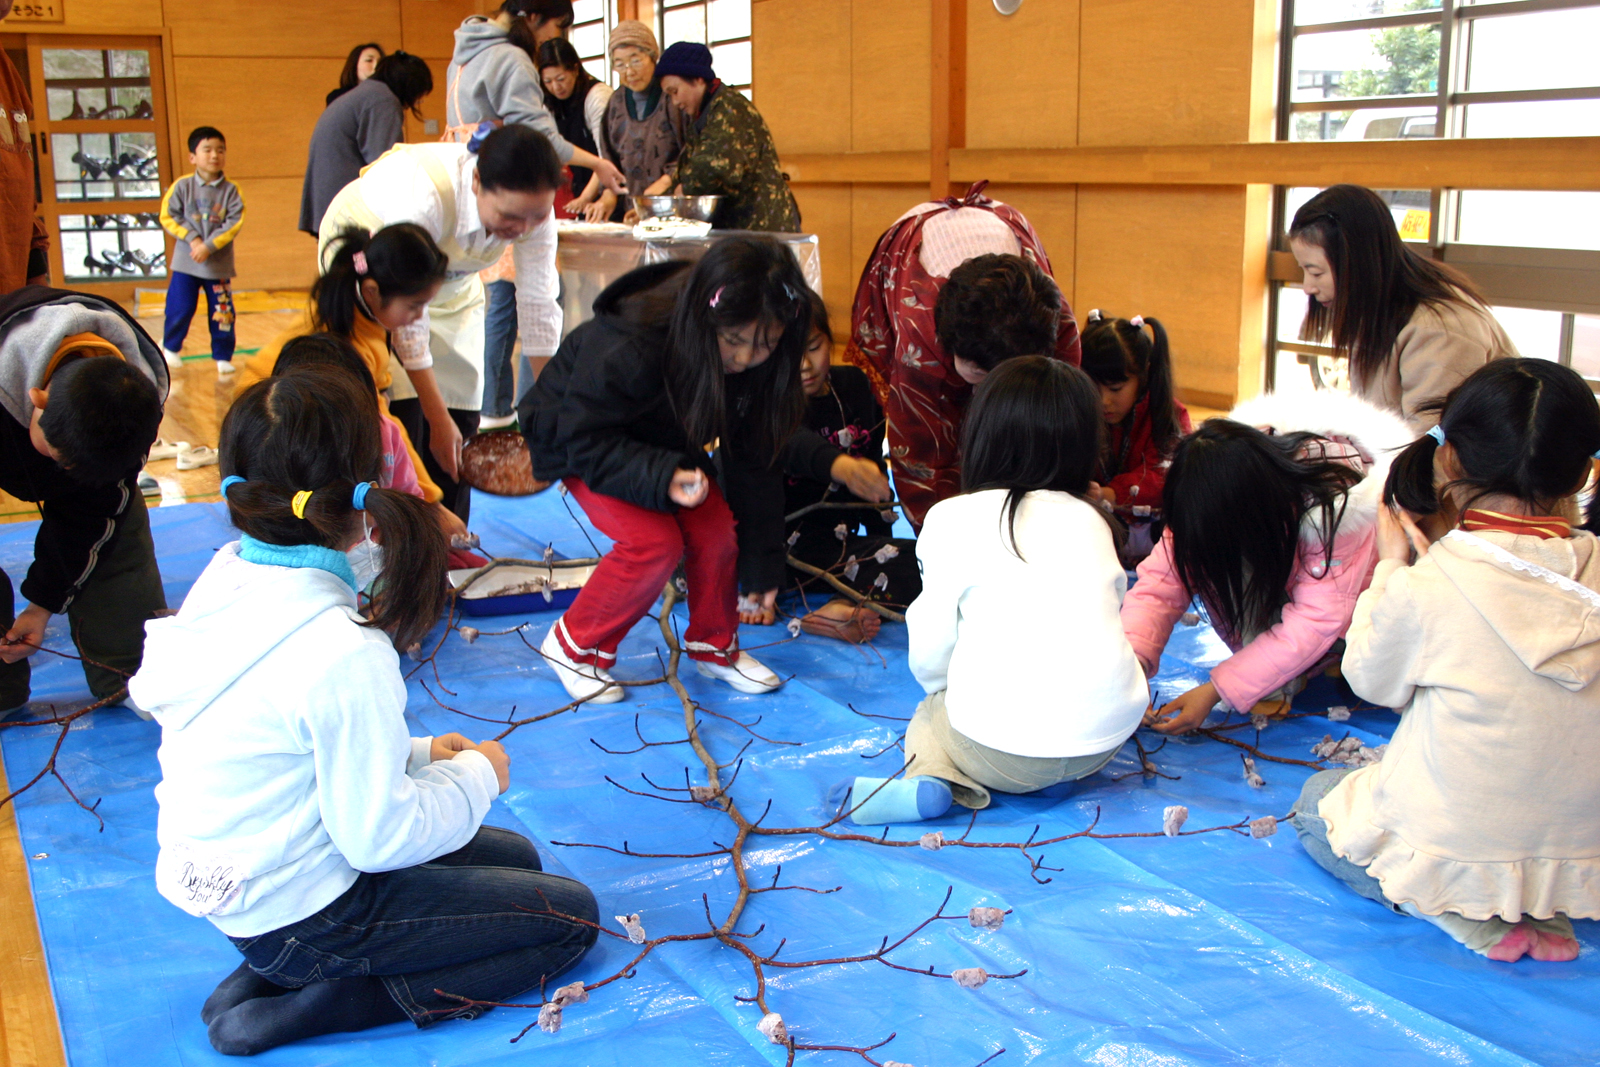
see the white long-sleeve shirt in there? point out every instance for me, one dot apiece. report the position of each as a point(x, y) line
point(1029, 651)
point(286, 764)
point(399, 188)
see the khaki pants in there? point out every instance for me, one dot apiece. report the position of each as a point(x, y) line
point(108, 615)
point(972, 770)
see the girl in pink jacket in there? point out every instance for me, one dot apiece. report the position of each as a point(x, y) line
point(1271, 525)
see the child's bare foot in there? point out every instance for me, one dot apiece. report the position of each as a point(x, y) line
point(841, 619)
point(1520, 941)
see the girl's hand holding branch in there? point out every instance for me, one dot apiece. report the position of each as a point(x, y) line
point(1186, 713)
point(862, 477)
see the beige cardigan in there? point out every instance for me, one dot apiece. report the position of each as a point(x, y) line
point(1485, 803)
point(1433, 353)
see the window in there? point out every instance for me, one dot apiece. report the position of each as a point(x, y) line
point(1356, 70)
point(591, 29)
point(724, 25)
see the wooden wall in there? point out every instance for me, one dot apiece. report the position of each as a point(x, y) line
point(259, 73)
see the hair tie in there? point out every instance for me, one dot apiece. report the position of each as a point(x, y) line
point(298, 504)
point(475, 142)
point(1094, 314)
point(230, 480)
point(1437, 433)
point(717, 296)
point(360, 259)
point(358, 496)
point(1137, 322)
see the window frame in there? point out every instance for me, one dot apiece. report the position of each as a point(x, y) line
point(747, 88)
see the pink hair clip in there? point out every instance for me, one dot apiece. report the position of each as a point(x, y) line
point(717, 296)
point(1137, 322)
point(361, 264)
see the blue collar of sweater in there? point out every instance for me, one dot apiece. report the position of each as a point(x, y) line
point(323, 559)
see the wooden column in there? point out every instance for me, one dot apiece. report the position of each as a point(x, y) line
point(948, 87)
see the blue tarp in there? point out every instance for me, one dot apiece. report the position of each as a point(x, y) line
point(1207, 949)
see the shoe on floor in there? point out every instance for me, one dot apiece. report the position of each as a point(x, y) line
point(148, 484)
point(224, 367)
point(164, 449)
point(196, 456)
point(496, 422)
point(174, 361)
point(747, 675)
point(580, 679)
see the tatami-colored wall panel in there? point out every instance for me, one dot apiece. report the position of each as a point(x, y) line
point(108, 15)
point(872, 209)
point(1053, 212)
point(271, 253)
point(803, 72)
point(1022, 75)
point(291, 28)
point(825, 211)
point(1176, 254)
point(427, 27)
point(432, 105)
point(262, 141)
point(890, 43)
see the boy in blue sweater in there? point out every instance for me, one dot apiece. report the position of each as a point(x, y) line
point(204, 211)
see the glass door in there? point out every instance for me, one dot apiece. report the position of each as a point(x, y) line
point(102, 156)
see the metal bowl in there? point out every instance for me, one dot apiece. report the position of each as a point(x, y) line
point(698, 208)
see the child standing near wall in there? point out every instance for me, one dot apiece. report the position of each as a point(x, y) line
point(1143, 419)
point(203, 211)
point(1022, 694)
point(1480, 818)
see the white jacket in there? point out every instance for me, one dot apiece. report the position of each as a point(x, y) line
point(285, 761)
point(1030, 652)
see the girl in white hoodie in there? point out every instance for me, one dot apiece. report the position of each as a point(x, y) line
point(1015, 636)
point(1481, 816)
point(346, 861)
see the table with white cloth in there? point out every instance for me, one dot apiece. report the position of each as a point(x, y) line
point(590, 256)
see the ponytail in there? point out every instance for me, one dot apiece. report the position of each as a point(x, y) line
point(1115, 350)
point(310, 436)
point(402, 260)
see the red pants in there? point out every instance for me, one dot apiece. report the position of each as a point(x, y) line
point(628, 580)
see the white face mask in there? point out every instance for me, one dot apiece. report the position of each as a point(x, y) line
point(366, 557)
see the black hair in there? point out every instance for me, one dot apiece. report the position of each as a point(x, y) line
point(1378, 281)
point(558, 52)
point(819, 316)
point(1524, 428)
point(325, 350)
point(347, 76)
point(1236, 501)
point(994, 307)
point(101, 419)
point(202, 133)
point(740, 280)
point(408, 77)
point(521, 34)
point(1115, 350)
point(519, 159)
point(1034, 423)
point(312, 430)
point(402, 260)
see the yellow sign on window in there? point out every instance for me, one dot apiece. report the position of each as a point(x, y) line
point(37, 11)
point(1414, 227)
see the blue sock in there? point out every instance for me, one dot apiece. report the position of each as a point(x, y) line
point(902, 800)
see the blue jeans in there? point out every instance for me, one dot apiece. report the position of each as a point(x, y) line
point(183, 296)
point(499, 338)
point(455, 923)
point(1313, 831)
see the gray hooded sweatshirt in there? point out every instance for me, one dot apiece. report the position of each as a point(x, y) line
point(491, 78)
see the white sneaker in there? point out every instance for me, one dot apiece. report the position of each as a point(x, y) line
point(148, 484)
point(224, 367)
point(174, 360)
point(496, 422)
point(164, 449)
point(580, 679)
point(196, 456)
point(747, 675)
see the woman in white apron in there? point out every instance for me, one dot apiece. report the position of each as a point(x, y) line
point(475, 200)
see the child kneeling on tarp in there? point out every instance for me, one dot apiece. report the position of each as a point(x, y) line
point(1015, 638)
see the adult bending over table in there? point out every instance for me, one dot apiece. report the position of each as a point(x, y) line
point(643, 130)
point(729, 152)
point(475, 200)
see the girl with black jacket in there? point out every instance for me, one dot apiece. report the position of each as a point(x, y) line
point(679, 364)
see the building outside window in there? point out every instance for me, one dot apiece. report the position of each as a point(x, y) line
point(1397, 69)
point(724, 25)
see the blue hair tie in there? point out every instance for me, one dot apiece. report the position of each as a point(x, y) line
point(1437, 433)
point(485, 128)
point(358, 497)
point(230, 480)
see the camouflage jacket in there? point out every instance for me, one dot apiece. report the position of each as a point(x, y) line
point(730, 153)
